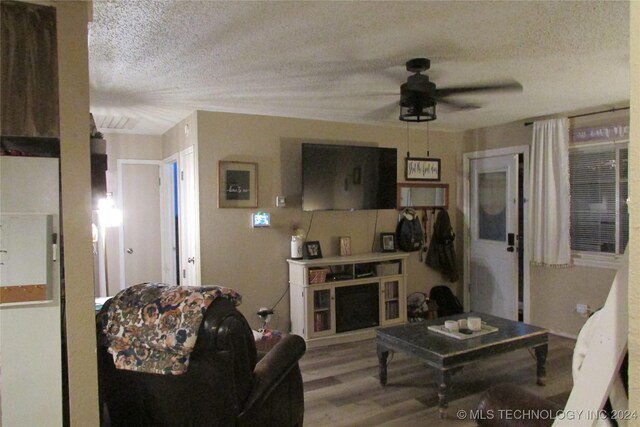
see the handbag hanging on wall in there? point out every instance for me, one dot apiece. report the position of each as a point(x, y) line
point(409, 233)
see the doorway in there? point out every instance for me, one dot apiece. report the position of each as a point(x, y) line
point(140, 242)
point(158, 235)
point(496, 273)
point(170, 222)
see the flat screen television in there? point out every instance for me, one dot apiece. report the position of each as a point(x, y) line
point(348, 177)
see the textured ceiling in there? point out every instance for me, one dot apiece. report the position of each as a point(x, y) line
point(154, 62)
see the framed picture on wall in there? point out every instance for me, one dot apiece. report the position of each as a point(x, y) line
point(422, 169)
point(237, 184)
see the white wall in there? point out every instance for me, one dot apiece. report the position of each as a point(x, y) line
point(634, 217)
point(30, 333)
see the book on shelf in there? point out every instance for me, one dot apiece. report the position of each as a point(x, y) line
point(391, 290)
point(392, 309)
point(320, 322)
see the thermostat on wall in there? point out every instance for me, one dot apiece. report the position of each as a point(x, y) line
point(260, 219)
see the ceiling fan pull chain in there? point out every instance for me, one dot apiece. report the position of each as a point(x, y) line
point(408, 154)
point(428, 155)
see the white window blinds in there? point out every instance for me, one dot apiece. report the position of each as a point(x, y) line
point(599, 191)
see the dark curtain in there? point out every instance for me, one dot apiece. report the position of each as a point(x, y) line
point(29, 70)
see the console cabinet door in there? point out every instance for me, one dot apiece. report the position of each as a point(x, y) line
point(321, 307)
point(392, 300)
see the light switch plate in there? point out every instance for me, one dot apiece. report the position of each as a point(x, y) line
point(281, 201)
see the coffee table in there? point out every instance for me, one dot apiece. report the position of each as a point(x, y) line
point(449, 355)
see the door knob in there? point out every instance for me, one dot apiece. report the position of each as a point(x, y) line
point(130, 250)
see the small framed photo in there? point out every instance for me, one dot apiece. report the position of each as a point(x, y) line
point(345, 246)
point(422, 169)
point(313, 249)
point(388, 242)
point(237, 185)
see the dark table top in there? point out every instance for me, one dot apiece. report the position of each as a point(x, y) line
point(442, 351)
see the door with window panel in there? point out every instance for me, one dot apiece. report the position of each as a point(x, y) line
point(494, 229)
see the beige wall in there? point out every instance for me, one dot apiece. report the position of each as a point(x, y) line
point(634, 214)
point(181, 136)
point(73, 74)
point(253, 261)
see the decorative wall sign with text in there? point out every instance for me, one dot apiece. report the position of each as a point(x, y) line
point(238, 185)
point(422, 169)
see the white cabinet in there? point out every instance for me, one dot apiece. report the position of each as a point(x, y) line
point(339, 299)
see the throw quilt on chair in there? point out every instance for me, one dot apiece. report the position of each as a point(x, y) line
point(152, 327)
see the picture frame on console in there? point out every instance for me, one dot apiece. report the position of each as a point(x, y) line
point(237, 184)
point(388, 242)
point(312, 249)
point(345, 246)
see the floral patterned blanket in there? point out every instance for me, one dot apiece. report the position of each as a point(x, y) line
point(152, 327)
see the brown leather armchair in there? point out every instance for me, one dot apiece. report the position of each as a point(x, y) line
point(498, 404)
point(223, 386)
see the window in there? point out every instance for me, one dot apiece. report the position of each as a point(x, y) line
point(599, 192)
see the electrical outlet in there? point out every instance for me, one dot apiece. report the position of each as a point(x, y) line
point(582, 309)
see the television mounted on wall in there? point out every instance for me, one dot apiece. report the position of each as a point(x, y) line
point(348, 177)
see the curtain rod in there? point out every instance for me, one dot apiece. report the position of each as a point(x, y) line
point(613, 110)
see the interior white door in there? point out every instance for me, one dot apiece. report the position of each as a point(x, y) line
point(170, 222)
point(141, 241)
point(493, 194)
point(188, 218)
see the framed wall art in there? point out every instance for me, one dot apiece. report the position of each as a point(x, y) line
point(237, 184)
point(422, 169)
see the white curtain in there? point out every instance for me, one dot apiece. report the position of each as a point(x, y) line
point(549, 193)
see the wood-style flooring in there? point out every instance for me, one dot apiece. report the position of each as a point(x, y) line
point(342, 387)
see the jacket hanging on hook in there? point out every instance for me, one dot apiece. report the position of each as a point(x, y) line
point(442, 255)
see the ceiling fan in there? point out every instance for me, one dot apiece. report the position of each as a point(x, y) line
point(419, 95)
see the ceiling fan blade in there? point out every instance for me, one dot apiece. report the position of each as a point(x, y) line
point(510, 86)
point(384, 112)
point(457, 106)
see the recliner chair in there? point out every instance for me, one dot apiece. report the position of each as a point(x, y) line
point(223, 386)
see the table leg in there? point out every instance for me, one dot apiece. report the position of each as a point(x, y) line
point(541, 360)
point(443, 404)
point(383, 354)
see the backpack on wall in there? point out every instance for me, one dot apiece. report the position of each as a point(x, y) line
point(409, 234)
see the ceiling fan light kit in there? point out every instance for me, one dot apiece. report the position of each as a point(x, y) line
point(413, 114)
